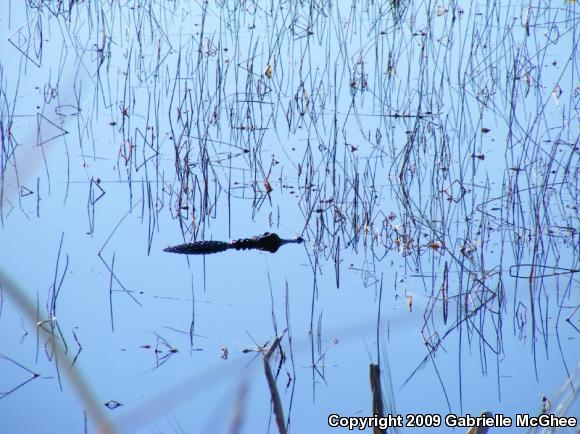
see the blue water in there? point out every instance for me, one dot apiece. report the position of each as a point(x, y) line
point(165, 336)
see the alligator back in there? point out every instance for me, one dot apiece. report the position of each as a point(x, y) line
point(267, 242)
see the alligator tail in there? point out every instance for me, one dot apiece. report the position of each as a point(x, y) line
point(199, 248)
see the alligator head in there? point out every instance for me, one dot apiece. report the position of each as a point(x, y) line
point(271, 242)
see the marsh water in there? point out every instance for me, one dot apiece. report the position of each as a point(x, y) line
point(427, 153)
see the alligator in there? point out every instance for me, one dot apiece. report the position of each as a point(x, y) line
point(267, 242)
